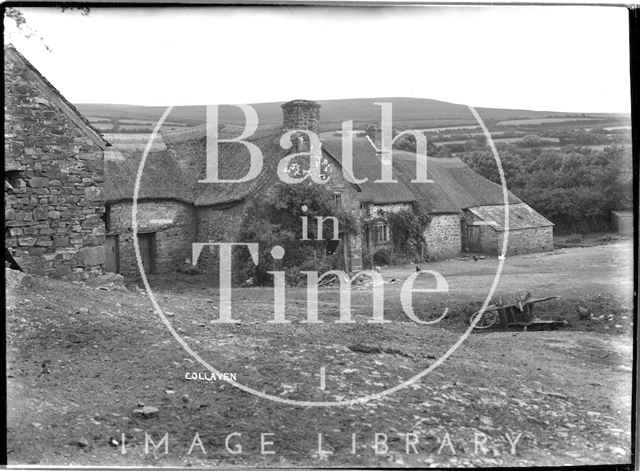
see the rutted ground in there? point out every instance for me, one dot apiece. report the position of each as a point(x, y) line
point(80, 360)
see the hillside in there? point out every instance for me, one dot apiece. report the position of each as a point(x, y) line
point(418, 112)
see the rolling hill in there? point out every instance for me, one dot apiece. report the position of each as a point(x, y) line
point(416, 112)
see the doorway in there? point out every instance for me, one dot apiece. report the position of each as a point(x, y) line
point(473, 239)
point(146, 242)
point(111, 254)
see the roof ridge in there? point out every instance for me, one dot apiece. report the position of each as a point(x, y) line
point(65, 105)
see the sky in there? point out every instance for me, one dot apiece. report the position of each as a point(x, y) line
point(551, 58)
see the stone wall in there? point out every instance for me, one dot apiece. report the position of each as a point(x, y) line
point(533, 239)
point(442, 237)
point(536, 239)
point(220, 223)
point(173, 224)
point(53, 215)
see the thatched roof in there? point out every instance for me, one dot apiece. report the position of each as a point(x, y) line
point(228, 131)
point(174, 173)
point(161, 177)
point(455, 186)
point(368, 164)
point(521, 216)
point(52, 93)
point(234, 162)
point(434, 197)
point(465, 187)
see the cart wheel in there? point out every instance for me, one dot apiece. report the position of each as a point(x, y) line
point(489, 318)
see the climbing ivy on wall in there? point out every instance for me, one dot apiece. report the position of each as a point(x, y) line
point(275, 219)
point(407, 228)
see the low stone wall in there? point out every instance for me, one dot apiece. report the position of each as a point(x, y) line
point(442, 237)
point(173, 224)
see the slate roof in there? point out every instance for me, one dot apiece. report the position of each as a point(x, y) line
point(521, 216)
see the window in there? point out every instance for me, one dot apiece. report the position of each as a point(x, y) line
point(337, 200)
point(382, 233)
point(365, 208)
point(106, 217)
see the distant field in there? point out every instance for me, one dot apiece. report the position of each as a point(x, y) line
point(519, 122)
point(499, 140)
point(408, 113)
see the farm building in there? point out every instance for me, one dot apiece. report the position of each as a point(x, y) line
point(221, 208)
point(622, 222)
point(466, 210)
point(54, 171)
point(468, 213)
point(69, 193)
point(165, 213)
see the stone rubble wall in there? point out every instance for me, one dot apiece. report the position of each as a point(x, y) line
point(53, 215)
point(173, 224)
point(442, 237)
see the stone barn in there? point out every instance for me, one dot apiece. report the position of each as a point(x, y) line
point(165, 213)
point(54, 171)
point(468, 212)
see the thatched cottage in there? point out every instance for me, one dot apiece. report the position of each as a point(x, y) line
point(466, 210)
point(69, 193)
point(54, 172)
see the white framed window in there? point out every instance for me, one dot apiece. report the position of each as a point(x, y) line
point(382, 233)
point(337, 200)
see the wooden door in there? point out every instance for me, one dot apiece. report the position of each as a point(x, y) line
point(473, 238)
point(111, 253)
point(145, 242)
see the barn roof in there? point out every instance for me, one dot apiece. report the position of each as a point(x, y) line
point(463, 187)
point(161, 177)
point(52, 93)
point(521, 216)
point(367, 164)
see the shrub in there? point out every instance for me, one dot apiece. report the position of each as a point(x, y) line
point(382, 257)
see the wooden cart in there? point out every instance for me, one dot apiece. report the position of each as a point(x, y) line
point(519, 315)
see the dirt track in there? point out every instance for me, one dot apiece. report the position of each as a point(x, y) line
point(80, 360)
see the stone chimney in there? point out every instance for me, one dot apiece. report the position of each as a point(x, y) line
point(301, 114)
point(374, 132)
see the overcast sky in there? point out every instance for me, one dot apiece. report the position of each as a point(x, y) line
point(542, 58)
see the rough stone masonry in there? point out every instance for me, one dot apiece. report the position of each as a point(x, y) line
point(53, 171)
